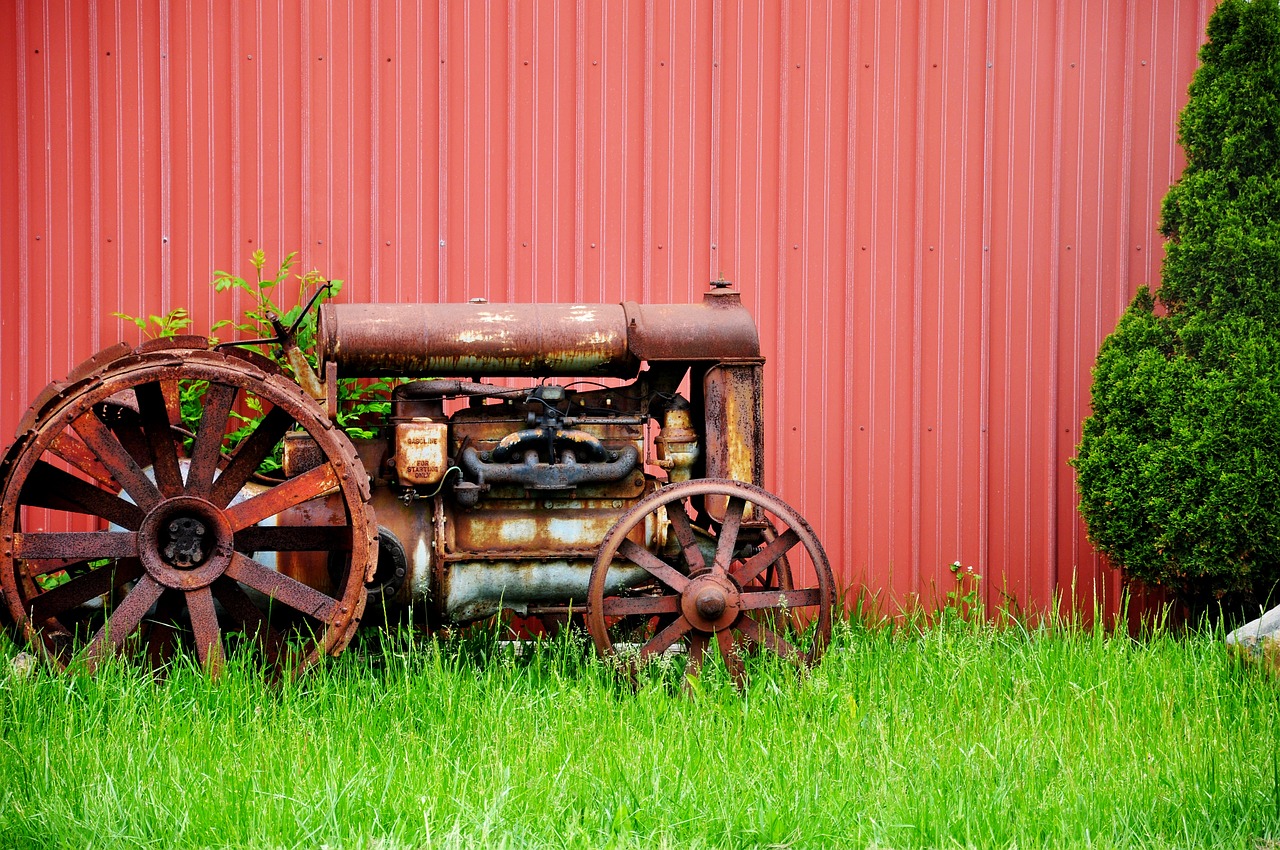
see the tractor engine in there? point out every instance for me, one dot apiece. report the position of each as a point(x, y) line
point(494, 496)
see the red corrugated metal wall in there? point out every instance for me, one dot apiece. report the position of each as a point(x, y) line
point(936, 211)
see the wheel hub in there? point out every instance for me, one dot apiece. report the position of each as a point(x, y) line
point(185, 542)
point(711, 602)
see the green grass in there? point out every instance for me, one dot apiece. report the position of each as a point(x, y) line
point(951, 736)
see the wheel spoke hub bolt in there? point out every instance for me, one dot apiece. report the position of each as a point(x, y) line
point(186, 544)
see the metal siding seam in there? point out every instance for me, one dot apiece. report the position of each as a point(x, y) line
point(259, 166)
point(1150, 228)
point(306, 224)
point(443, 191)
point(784, 85)
point(281, 180)
point(962, 274)
point(1171, 92)
point(375, 157)
point(602, 238)
point(404, 245)
point(716, 269)
point(119, 170)
point(1029, 309)
point(693, 125)
point(670, 211)
point(188, 248)
point(556, 201)
point(1126, 166)
point(984, 391)
point(45, 157)
point(212, 243)
point(917, 307)
point(350, 152)
point(166, 165)
point(874, 417)
point(24, 203)
point(1077, 229)
point(801, 358)
point(512, 208)
point(894, 418)
point(758, 240)
point(579, 149)
point(68, 125)
point(850, 447)
point(95, 178)
point(646, 237)
point(1055, 288)
point(1006, 234)
point(419, 191)
point(235, 150)
point(824, 336)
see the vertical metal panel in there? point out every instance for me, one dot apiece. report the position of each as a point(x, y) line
point(936, 211)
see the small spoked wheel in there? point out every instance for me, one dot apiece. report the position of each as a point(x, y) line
point(710, 562)
point(125, 532)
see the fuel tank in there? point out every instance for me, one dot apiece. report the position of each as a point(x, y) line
point(522, 340)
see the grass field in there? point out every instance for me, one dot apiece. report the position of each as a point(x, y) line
point(955, 735)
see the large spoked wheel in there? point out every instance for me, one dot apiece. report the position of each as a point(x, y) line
point(669, 574)
point(124, 532)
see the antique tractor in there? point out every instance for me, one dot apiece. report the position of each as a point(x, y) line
point(616, 482)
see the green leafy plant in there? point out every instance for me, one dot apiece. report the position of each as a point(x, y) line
point(172, 323)
point(362, 403)
point(284, 294)
point(1180, 461)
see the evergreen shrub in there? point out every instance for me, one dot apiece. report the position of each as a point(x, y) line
point(1179, 465)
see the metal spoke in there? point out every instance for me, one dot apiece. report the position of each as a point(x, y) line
point(654, 565)
point(309, 485)
point(803, 598)
point(50, 487)
point(154, 412)
point(82, 588)
point(663, 640)
point(81, 545)
point(123, 468)
point(204, 624)
point(623, 606)
point(249, 455)
point(684, 534)
point(283, 589)
point(294, 538)
point(207, 448)
point(757, 563)
point(728, 538)
point(123, 621)
point(76, 453)
point(765, 636)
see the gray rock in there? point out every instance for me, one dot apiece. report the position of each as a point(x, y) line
point(1256, 638)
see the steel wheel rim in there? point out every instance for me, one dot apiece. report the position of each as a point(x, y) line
point(700, 601)
point(146, 590)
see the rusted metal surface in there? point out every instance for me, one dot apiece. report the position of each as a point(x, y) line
point(733, 395)
point(505, 340)
point(183, 529)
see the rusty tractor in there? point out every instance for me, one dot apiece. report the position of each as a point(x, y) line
point(615, 482)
